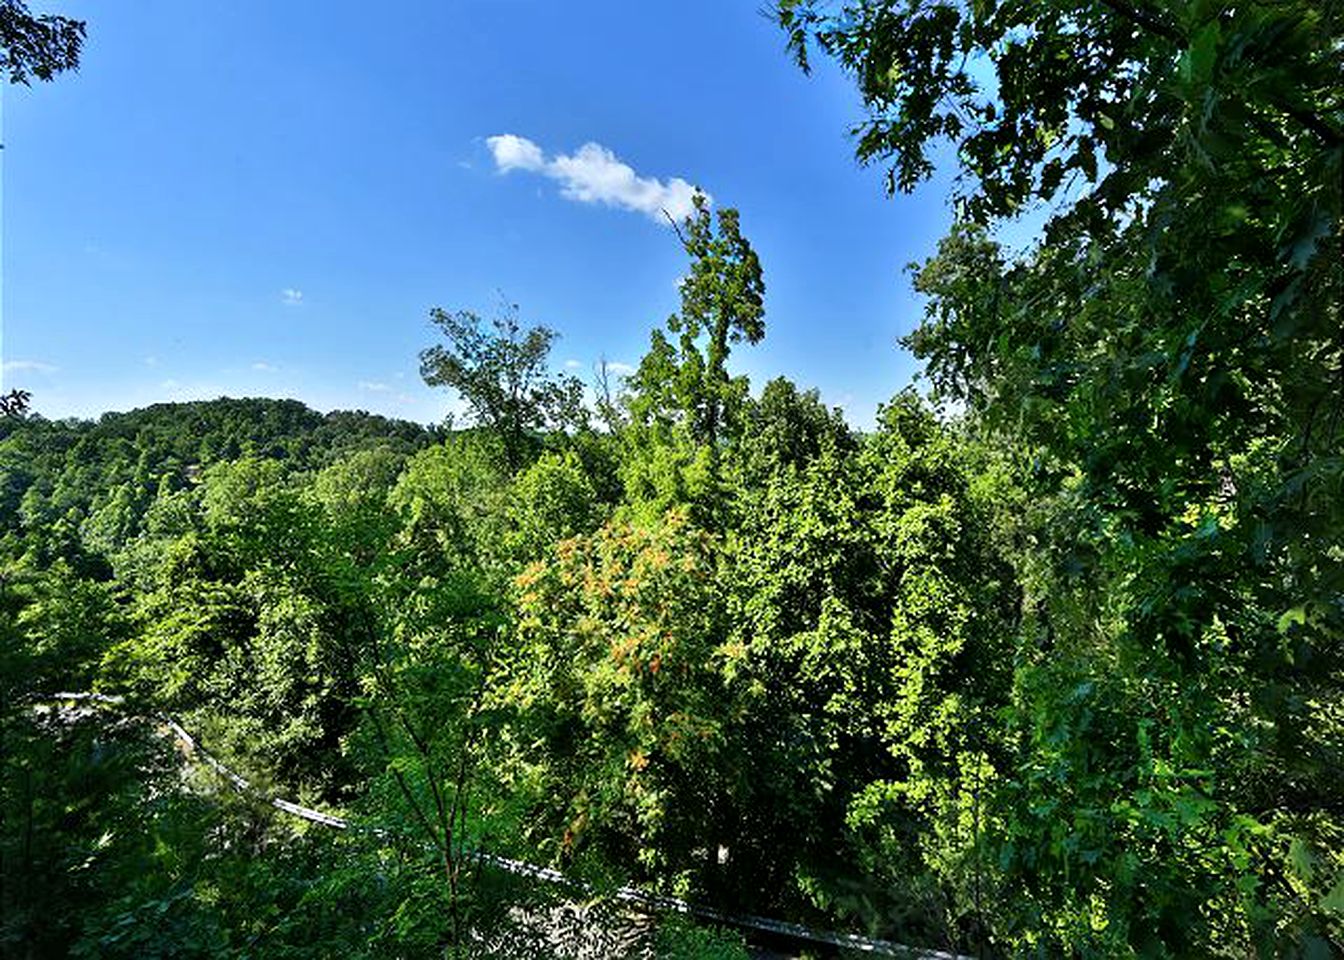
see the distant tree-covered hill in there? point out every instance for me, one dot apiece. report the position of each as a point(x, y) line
point(52, 467)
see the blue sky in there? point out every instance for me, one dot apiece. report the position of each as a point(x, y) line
point(261, 198)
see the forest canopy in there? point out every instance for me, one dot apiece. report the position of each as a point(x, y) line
point(1046, 663)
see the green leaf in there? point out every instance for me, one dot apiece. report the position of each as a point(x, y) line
point(1333, 902)
point(1295, 615)
point(1301, 859)
point(1203, 53)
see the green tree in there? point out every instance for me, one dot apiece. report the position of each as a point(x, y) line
point(684, 404)
point(1167, 366)
point(37, 46)
point(353, 493)
point(424, 735)
point(787, 428)
point(722, 303)
point(551, 501)
point(877, 614)
point(502, 376)
point(619, 685)
point(453, 503)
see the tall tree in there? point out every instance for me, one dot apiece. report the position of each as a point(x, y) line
point(501, 373)
point(684, 405)
point(722, 303)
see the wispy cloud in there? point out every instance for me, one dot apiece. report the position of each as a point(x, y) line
point(620, 369)
point(594, 174)
point(151, 361)
point(291, 297)
point(31, 366)
point(374, 386)
point(263, 367)
point(573, 365)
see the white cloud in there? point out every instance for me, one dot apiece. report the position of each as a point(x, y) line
point(263, 367)
point(516, 153)
point(594, 174)
point(620, 369)
point(573, 365)
point(374, 386)
point(31, 366)
point(291, 297)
